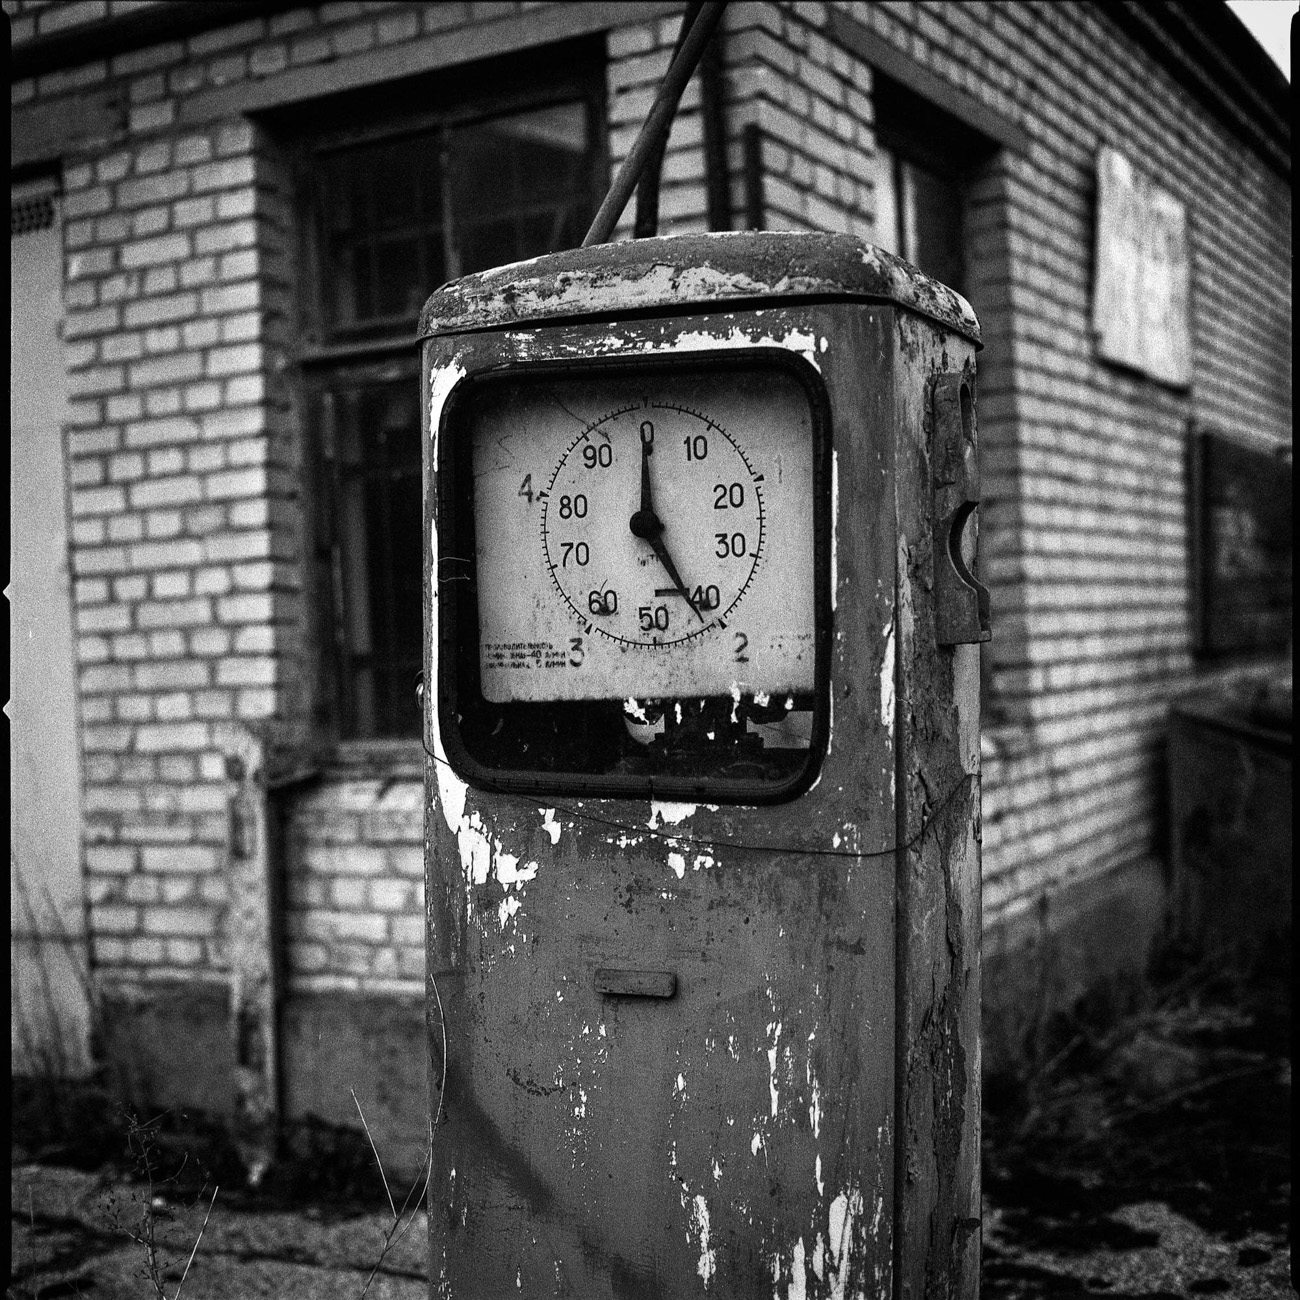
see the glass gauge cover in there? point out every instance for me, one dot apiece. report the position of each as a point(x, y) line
point(644, 572)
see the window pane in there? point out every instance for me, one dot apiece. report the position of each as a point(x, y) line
point(918, 216)
point(379, 555)
point(399, 288)
point(520, 185)
point(933, 224)
point(397, 218)
point(383, 246)
point(886, 195)
point(1241, 526)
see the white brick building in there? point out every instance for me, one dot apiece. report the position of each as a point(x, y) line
point(241, 208)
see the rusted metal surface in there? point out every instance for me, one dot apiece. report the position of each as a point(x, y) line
point(681, 271)
point(252, 941)
point(961, 613)
point(800, 1117)
point(260, 771)
point(635, 983)
point(938, 1223)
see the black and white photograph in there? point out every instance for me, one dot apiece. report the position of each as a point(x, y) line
point(650, 649)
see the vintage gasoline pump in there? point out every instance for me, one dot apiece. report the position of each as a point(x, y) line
point(703, 786)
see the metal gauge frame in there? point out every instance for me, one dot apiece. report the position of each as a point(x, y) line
point(460, 697)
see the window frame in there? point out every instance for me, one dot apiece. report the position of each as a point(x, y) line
point(906, 129)
point(572, 71)
point(1216, 461)
point(329, 488)
point(935, 133)
point(583, 80)
point(458, 654)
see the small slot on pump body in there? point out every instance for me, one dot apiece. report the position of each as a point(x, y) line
point(636, 983)
point(961, 601)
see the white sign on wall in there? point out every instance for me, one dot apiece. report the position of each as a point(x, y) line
point(1141, 307)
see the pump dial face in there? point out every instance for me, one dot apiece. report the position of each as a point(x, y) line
point(644, 536)
point(652, 525)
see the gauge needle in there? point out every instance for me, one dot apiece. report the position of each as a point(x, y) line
point(647, 525)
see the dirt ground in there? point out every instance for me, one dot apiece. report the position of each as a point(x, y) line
point(1149, 1155)
point(69, 1239)
point(171, 1194)
point(1144, 1152)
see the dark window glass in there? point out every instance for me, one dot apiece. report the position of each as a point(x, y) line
point(383, 239)
point(924, 159)
point(918, 216)
point(397, 217)
point(403, 216)
point(1241, 532)
point(375, 472)
point(519, 186)
point(933, 206)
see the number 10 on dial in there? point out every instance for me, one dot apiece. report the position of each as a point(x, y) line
point(657, 529)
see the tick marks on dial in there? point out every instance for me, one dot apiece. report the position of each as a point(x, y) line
point(601, 484)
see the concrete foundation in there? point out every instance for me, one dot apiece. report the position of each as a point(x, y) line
point(1041, 962)
point(172, 1046)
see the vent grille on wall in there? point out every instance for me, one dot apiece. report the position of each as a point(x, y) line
point(35, 212)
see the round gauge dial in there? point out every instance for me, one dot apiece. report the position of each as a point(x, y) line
point(652, 525)
point(643, 533)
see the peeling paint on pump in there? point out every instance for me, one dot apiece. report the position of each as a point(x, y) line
point(720, 1121)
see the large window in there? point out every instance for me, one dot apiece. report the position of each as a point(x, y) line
point(924, 161)
point(446, 184)
point(1242, 545)
point(928, 161)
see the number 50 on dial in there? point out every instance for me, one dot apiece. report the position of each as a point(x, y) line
point(644, 534)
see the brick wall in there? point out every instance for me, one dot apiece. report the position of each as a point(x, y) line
point(1084, 527)
point(811, 103)
point(187, 515)
point(809, 99)
point(35, 18)
point(356, 885)
point(639, 54)
point(183, 540)
point(185, 440)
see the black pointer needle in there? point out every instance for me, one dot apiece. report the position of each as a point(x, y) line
point(647, 525)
